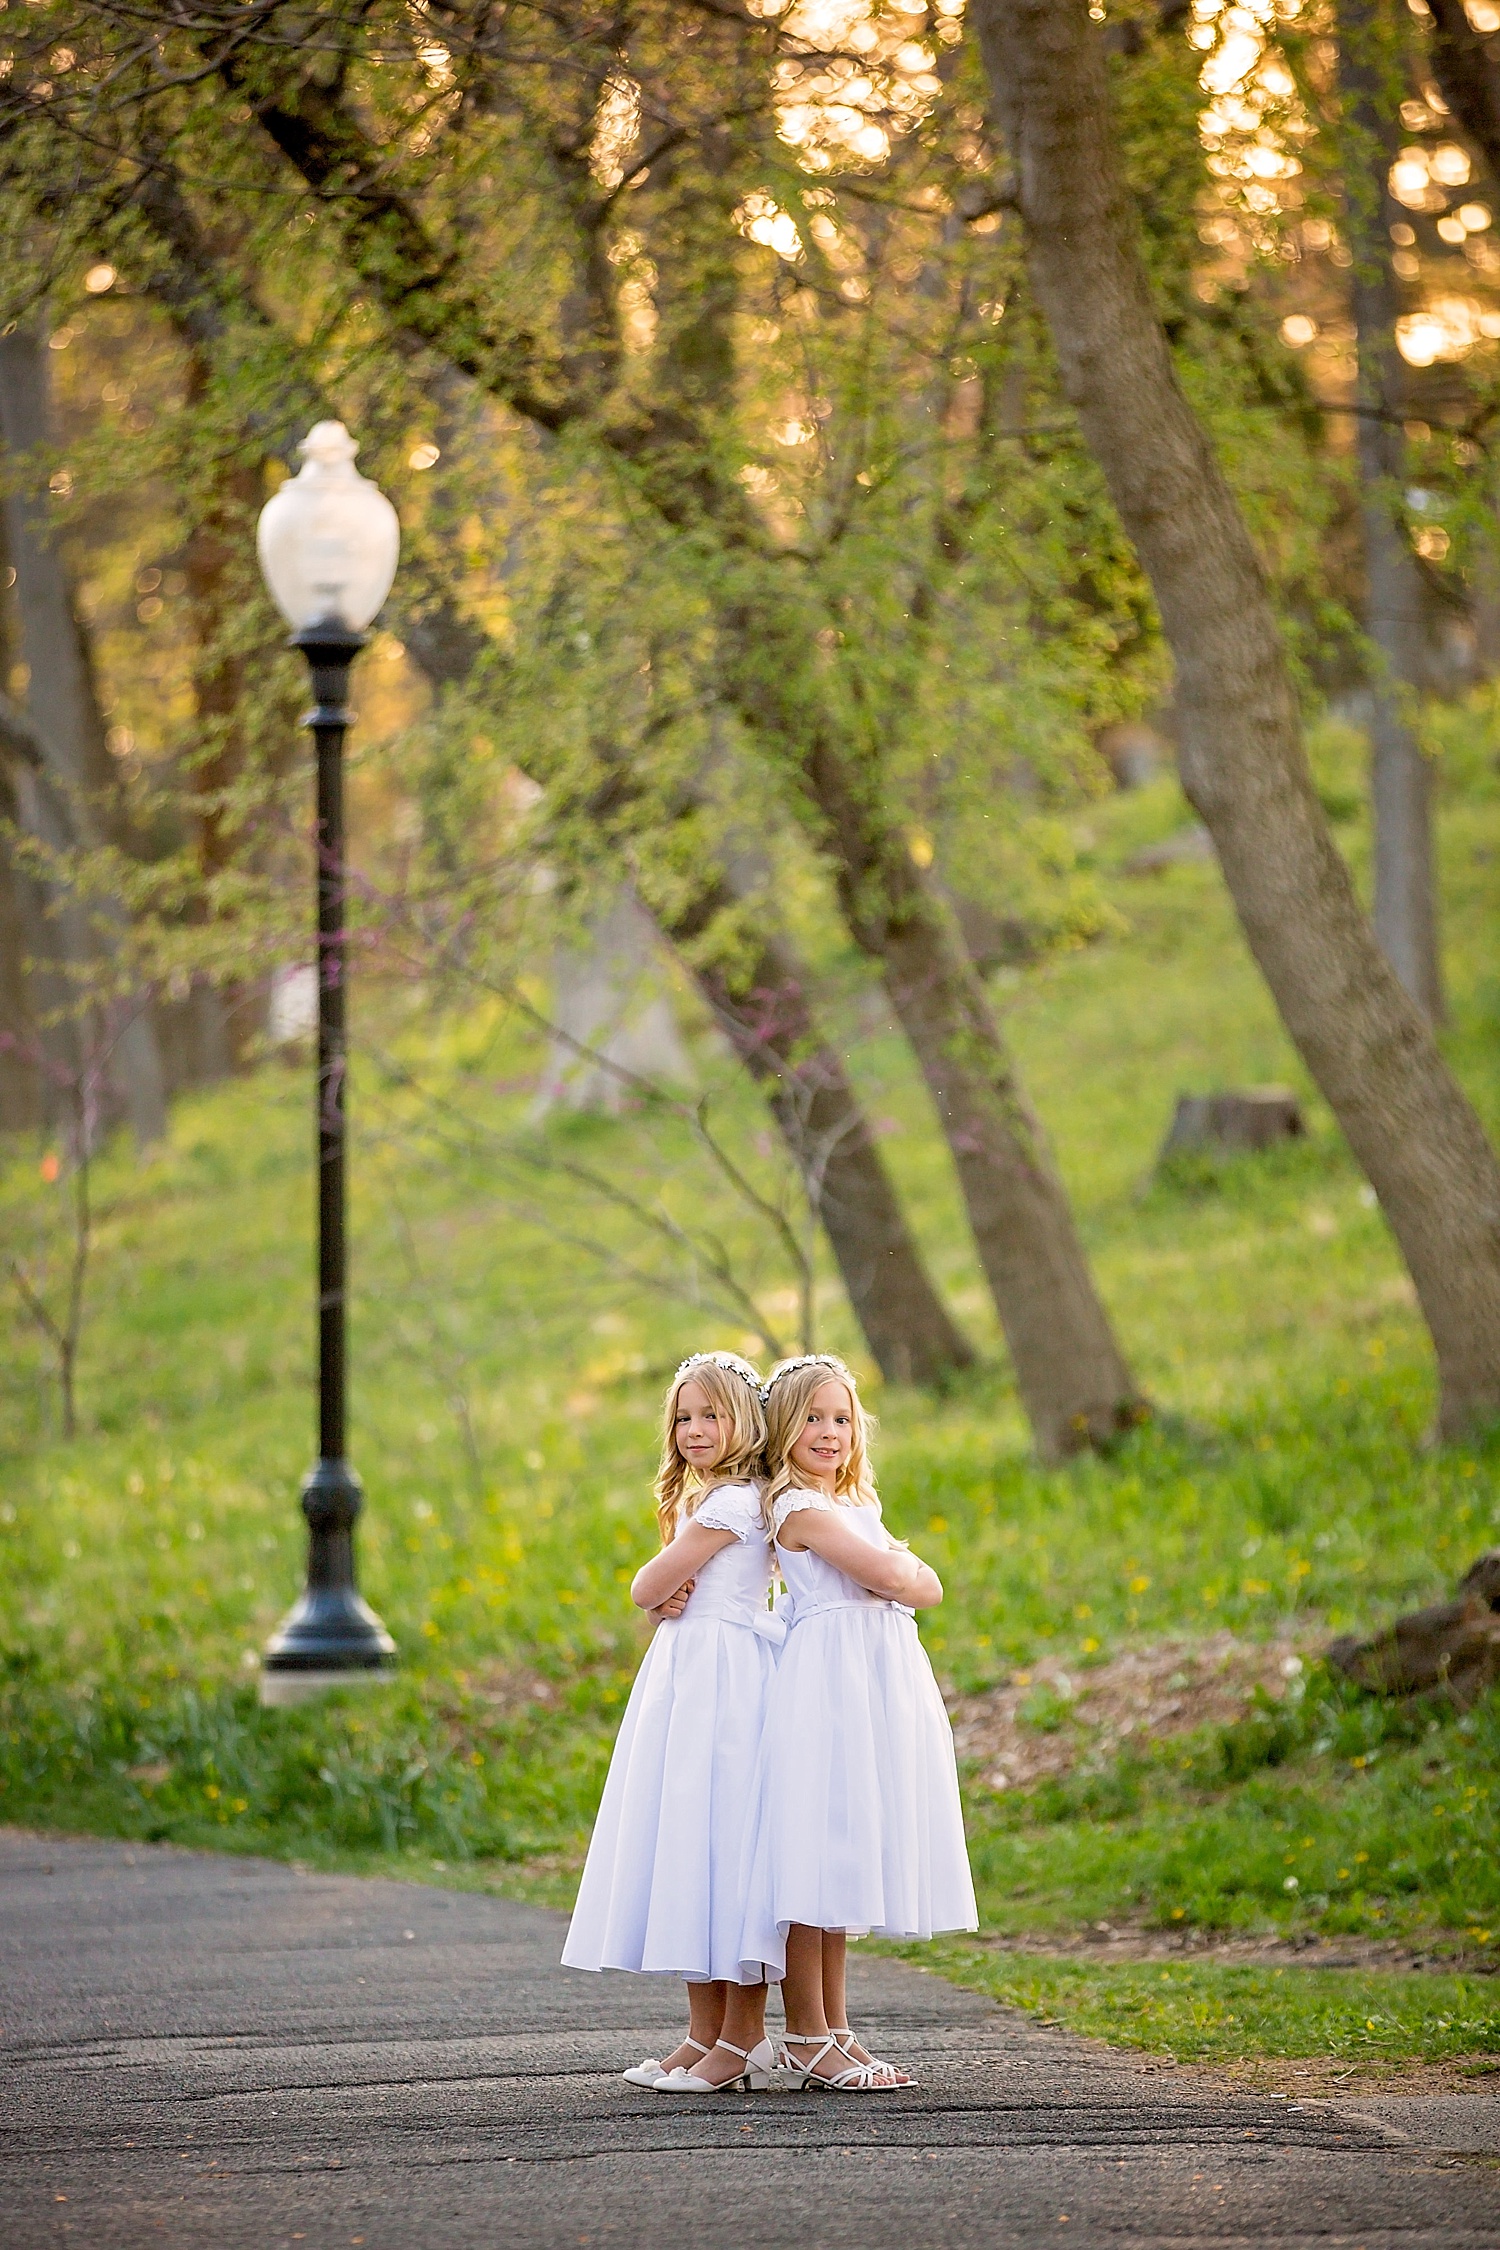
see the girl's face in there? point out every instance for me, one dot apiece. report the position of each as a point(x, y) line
point(827, 1438)
point(696, 1427)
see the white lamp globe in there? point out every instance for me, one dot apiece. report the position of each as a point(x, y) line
point(329, 539)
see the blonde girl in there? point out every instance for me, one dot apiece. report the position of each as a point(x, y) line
point(857, 1825)
point(660, 1890)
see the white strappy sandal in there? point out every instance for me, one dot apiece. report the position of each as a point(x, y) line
point(648, 2072)
point(759, 2062)
point(859, 2078)
point(840, 2032)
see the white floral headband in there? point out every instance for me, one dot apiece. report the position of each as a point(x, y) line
point(829, 1360)
point(730, 1361)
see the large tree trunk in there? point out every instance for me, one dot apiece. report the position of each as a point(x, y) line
point(61, 698)
point(1074, 1383)
point(1406, 916)
point(1243, 765)
point(1072, 1377)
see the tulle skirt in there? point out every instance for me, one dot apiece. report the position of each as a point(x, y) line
point(857, 1824)
point(661, 1885)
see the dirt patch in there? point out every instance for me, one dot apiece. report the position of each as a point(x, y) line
point(1326, 2078)
point(1128, 1941)
point(1046, 1720)
point(506, 1689)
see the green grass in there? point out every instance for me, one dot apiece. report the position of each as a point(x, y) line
point(505, 1400)
point(1202, 2013)
point(1339, 1815)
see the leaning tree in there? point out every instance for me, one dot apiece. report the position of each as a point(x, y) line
point(1365, 1040)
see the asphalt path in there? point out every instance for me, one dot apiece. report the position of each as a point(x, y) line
point(205, 2052)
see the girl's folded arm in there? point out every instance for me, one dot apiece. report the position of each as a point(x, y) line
point(676, 1564)
point(895, 1573)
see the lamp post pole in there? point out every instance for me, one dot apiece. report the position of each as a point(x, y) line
point(330, 653)
point(328, 542)
point(332, 1636)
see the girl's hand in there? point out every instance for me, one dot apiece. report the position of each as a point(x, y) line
point(926, 1586)
point(924, 1577)
point(894, 1573)
point(673, 1606)
point(678, 1565)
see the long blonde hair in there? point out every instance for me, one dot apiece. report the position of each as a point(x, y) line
point(788, 1395)
point(733, 1388)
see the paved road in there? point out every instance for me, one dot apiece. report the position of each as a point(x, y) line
point(205, 2052)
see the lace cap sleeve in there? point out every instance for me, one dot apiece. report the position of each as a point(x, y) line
point(733, 1507)
point(799, 1497)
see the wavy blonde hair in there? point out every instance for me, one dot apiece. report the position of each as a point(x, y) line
point(788, 1395)
point(733, 1387)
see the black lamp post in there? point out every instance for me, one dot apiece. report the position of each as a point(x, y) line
point(328, 542)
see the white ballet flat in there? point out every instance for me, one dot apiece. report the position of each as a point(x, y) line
point(648, 2073)
point(759, 2062)
point(859, 2078)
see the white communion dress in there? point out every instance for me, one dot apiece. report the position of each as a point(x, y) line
point(857, 1824)
point(661, 1884)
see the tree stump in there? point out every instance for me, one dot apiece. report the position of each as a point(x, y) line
point(1188, 846)
point(1134, 752)
point(610, 1007)
point(995, 941)
point(1254, 1117)
point(1451, 1648)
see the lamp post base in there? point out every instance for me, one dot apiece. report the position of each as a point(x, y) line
point(283, 1691)
point(329, 1637)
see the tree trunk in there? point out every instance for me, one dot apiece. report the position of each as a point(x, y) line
point(58, 941)
point(764, 1012)
point(1072, 1377)
point(1073, 1381)
point(1243, 765)
point(222, 1021)
point(62, 700)
point(21, 1102)
point(1466, 65)
point(1406, 916)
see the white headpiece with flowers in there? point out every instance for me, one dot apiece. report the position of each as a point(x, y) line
point(729, 1360)
point(830, 1360)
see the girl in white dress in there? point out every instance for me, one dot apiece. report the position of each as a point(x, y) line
point(857, 1825)
point(660, 1891)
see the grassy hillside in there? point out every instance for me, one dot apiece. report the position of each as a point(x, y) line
point(507, 1383)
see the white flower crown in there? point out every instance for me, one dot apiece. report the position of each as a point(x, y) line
point(808, 1359)
point(728, 1360)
